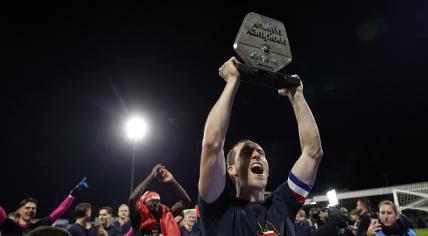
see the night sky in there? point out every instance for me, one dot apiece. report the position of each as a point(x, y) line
point(70, 75)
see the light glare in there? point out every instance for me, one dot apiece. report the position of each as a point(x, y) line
point(136, 128)
point(332, 198)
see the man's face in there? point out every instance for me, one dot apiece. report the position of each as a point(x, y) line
point(123, 212)
point(354, 217)
point(360, 207)
point(104, 217)
point(251, 165)
point(28, 211)
point(189, 218)
point(153, 205)
point(299, 218)
point(387, 215)
point(88, 214)
point(322, 216)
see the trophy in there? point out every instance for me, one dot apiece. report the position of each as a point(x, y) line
point(263, 46)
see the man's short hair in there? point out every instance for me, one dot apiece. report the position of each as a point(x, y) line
point(301, 213)
point(123, 205)
point(391, 204)
point(108, 209)
point(48, 231)
point(82, 209)
point(189, 211)
point(230, 160)
point(26, 200)
point(365, 202)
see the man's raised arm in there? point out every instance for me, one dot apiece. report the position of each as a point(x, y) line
point(167, 177)
point(212, 175)
point(137, 193)
point(305, 168)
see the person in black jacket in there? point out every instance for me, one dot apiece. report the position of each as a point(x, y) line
point(363, 206)
point(334, 225)
point(301, 226)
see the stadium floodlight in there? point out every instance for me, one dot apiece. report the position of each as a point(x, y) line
point(332, 198)
point(136, 128)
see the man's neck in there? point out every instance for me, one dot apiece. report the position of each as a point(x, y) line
point(81, 221)
point(251, 195)
point(188, 227)
point(24, 222)
point(123, 221)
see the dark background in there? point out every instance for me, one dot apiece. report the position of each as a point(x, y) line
point(70, 75)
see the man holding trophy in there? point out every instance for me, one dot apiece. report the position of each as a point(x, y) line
point(247, 211)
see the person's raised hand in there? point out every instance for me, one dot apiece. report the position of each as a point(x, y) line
point(156, 169)
point(166, 176)
point(228, 70)
point(290, 92)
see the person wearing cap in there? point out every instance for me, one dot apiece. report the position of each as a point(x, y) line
point(147, 214)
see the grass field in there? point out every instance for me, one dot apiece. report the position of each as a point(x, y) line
point(422, 232)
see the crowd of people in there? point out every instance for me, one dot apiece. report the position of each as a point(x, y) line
point(151, 217)
point(362, 221)
point(144, 214)
point(232, 199)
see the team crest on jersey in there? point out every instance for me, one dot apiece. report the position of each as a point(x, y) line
point(268, 230)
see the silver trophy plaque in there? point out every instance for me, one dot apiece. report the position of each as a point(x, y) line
point(262, 44)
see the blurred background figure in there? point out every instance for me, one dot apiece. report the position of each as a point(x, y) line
point(334, 223)
point(189, 226)
point(364, 209)
point(123, 224)
point(355, 219)
point(105, 228)
point(301, 224)
point(48, 231)
point(82, 226)
point(314, 219)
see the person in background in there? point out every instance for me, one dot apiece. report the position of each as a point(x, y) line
point(148, 215)
point(28, 209)
point(302, 227)
point(389, 222)
point(189, 228)
point(364, 209)
point(105, 228)
point(82, 225)
point(123, 223)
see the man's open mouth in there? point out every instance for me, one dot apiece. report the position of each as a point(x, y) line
point(257, 168)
